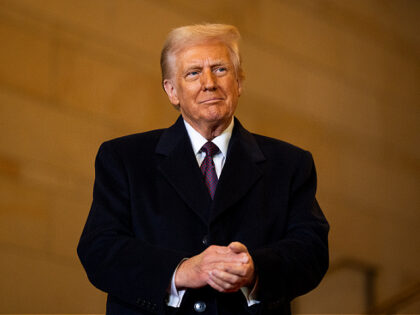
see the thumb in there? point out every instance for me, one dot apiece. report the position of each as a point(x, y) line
point(237, 247)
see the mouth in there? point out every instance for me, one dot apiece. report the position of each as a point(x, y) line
point(212, 100)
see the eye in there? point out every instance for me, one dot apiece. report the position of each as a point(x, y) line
point(192, 74)
point(220, 70)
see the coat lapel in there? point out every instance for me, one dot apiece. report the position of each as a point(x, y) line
point(243, 167)
point(179, 166)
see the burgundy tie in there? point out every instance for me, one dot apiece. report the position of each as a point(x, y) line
point(207, 167)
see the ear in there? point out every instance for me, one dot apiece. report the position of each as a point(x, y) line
point(170, 90)
point(239, 86)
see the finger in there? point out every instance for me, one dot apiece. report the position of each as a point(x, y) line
point(225, 277)
point(242, 274)
point(242, 257)
point(223, 250)
point(214, 285)
point(226, 286)
point(214, 258)
point(237, 269)
point(231, 267)
point(237, 247)
point(217, 249)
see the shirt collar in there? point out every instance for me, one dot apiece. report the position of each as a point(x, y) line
point(222, 141)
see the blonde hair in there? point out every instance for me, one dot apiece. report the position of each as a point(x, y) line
point(184, 36)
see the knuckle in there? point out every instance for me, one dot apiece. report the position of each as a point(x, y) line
point(234, 279)
point(227, 285)
point(209, 250)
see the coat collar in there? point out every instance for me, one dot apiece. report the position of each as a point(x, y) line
point(241, 171)
point(179, 166)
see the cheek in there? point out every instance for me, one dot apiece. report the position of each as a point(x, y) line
point(190, 93)
point(234, 96)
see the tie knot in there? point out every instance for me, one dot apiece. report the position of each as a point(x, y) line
point(210, 149)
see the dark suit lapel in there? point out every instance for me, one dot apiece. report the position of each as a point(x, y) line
point(240, 172)
point(179, 166)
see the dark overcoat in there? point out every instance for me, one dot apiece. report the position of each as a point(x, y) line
point(151, 209)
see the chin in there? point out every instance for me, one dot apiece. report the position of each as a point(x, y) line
point(216, 113)
point(215, 117)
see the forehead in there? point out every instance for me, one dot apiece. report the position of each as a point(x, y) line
point(203, 53)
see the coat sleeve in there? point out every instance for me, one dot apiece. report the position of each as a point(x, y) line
point(115, 260)
point(296, 263)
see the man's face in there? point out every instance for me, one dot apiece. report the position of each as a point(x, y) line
point(204, 84)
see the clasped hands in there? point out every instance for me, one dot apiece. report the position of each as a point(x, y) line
point(224, 268)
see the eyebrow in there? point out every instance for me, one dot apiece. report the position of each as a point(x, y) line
point(196, 65)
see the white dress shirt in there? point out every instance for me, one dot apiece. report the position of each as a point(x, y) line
point(197, 142)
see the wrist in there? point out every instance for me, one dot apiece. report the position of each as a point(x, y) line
point(180, 277)
point(252, 281)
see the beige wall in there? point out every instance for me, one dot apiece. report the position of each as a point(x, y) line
point(339, 78)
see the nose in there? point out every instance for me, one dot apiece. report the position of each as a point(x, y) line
point(208, 80)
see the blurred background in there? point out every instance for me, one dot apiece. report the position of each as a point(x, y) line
point(338, 78)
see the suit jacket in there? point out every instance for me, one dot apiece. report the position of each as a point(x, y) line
point(151, 209)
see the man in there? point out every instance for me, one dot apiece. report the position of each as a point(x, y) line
point(203, 217)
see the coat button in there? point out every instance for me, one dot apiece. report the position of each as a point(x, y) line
point(199, 307)
point(205, 240)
